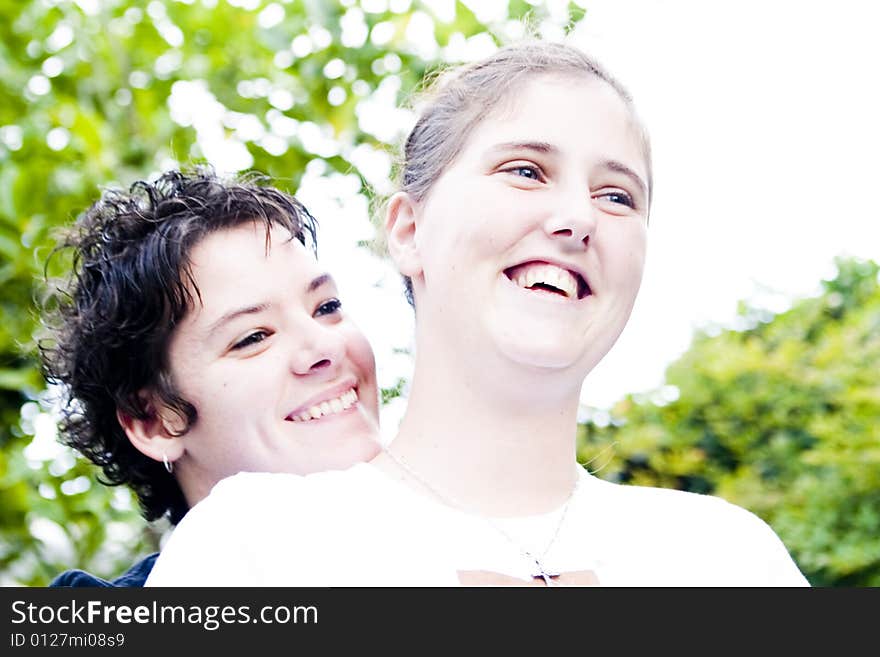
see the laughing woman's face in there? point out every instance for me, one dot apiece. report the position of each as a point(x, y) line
point(281, 378)
point(531, 244)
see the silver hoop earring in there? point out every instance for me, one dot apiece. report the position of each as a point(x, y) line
point(169, 466)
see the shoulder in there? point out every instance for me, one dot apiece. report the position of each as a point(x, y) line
point(702, 535)
point(135, 576)
point(681, 518)
point(250, 496)
point(138, 573)
point(247, 487)
point(78, 578)
point(666, 505)
point(261, 529)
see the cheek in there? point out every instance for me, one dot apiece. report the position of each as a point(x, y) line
point(466, 229)
point(628, 257)
point(505, 219)
point(468, 241)
point(360, 353)
point(637, 241)
point(452, 223)
point(221, 397)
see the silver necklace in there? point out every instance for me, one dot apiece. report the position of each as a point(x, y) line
point(538, 570)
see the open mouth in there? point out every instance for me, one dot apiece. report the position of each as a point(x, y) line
point(549, 279)
point(326, 408)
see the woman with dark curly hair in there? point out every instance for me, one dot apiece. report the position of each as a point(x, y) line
point(197, 337)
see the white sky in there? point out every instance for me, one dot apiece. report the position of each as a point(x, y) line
point(764, 123)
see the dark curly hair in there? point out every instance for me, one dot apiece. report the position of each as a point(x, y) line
point(130, 284)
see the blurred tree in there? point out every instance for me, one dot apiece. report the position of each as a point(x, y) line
point(782, 418)
point(98, 93)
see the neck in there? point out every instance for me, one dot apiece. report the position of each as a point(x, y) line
point(194, 486)
point(495, 443)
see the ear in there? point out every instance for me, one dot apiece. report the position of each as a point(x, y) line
point(155, 435)
point(400, 230)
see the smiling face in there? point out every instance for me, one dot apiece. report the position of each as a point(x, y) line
point(531, 244)
point(281, 379)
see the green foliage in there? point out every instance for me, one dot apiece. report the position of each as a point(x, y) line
point(98, 94)
point(782, 418)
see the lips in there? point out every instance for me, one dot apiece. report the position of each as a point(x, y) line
point(549, 278)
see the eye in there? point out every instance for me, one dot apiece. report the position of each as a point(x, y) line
point(529, 171)
point(329, 307)
point(618, 197)
point(251, 339)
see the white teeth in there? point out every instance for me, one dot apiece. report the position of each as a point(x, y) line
point(559, 278)
point(348, 399)
point(330, 407)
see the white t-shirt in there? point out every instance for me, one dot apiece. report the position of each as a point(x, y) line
point(360, 528)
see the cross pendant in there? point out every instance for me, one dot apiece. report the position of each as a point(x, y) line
point(544, 575)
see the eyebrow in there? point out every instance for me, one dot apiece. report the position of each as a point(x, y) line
point(318, 281)
point(235, 314)
point(313, 285)
point(618, 167)
point(538, 146)
point(547, 148)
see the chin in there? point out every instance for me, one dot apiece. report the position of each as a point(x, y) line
point(343, 457)
point(576, 355)
point(532, 354)
point(362, 454)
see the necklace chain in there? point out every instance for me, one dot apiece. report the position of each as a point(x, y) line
point(542, 572)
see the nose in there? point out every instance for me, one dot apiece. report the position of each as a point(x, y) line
point(317, 349)
point(573, 218)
